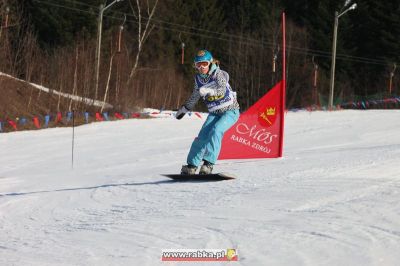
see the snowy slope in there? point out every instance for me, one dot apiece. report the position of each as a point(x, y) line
point(333, 199)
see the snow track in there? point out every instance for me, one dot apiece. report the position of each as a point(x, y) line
point(333, 199)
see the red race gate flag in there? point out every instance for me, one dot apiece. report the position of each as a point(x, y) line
point(99, 117)
point(58, 117)
point(257, 133)
point(36, 122)
point(13, 124)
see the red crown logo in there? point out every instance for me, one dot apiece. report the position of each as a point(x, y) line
point(268, 116)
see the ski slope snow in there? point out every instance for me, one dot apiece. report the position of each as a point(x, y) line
point(333, 199)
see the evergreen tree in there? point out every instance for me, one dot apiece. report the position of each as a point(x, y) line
point(56, 23)
point(243, 34)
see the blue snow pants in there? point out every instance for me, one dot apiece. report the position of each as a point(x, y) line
point(208, 143)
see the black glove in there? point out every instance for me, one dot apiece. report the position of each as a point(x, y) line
point(181, 112)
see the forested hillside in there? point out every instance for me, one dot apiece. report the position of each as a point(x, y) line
point(147, 48)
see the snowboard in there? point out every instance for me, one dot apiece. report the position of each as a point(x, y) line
point(200, 178)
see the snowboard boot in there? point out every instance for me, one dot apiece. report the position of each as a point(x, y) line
point(188, 170)
point(206, 168)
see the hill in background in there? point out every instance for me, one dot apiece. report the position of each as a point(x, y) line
point(21, 102)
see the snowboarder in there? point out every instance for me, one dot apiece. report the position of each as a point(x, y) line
point(211, 84)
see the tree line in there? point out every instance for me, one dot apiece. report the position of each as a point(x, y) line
point(147, 48)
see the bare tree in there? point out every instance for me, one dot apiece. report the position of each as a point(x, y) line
point(75, 86)
point(143, 34)
point(4, 16)
point(108, 82)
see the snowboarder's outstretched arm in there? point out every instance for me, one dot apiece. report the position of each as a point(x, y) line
point(189, 104)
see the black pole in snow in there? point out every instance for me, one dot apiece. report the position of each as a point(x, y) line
point(73, 136)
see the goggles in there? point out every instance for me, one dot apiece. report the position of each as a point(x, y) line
point(203, 65)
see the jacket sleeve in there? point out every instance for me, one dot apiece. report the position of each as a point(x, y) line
point(194, 98)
